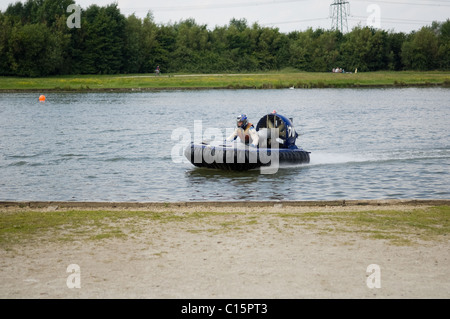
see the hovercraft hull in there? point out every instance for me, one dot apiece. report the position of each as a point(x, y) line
point(242, 159)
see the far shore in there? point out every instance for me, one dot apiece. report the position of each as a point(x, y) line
point(264, 80)
point(197, 88)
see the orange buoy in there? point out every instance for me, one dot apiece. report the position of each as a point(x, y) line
point(42, 98)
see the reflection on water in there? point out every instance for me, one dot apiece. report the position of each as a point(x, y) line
point(364, 144)
point(198, 174)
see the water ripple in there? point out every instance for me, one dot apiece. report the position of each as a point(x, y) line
point(365, 144)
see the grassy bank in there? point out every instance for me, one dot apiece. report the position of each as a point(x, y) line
point(270, 80)
point(399, 227)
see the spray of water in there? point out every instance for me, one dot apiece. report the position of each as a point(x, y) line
point(328, 158)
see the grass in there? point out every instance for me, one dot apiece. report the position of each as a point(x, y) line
point(267, 80)
point(396, 227)
point(79, 224)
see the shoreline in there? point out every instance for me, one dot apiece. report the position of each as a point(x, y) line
point(249, 205)
point(258, 81)
point(228, 87)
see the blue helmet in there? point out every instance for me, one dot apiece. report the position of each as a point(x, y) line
point(242, 119)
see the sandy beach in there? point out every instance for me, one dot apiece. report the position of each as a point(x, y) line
point(237, 250)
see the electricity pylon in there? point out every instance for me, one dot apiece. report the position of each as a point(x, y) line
point(340, 9)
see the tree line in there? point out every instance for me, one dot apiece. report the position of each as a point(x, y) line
point(35, 40)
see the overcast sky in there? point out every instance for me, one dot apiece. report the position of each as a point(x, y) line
point(287, 15)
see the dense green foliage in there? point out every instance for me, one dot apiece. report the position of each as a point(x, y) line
point(36, 41)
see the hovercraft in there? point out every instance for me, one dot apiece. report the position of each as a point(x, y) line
point(276, 147)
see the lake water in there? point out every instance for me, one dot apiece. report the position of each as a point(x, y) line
point(364, 143)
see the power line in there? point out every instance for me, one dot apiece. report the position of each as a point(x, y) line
point(410, 3)
point(446, 1)
point(398, 19)
point(295, 21)
point(216, 6)
point(339, 10)
point(392, 22)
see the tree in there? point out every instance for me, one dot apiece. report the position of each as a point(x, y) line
point(152, 52)
point(101, 42)
point(300, 49)
point(133, 53)
point(34, 51)
point(49, 11)
point(420, 51)
point(444, 45)
point(220, 51)
point(364, 49)
point(35, 41)
point(268, 44)
point(166, 41)
point(191, 47)
point(326, 51)
point(395, 43)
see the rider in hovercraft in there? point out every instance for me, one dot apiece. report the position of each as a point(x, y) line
point(245, 131)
